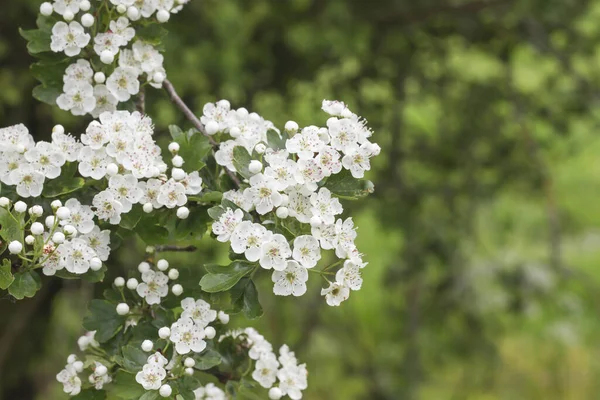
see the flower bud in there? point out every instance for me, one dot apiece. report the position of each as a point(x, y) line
point(68, 16)
point(282, 212)
point(173, 274)
point(275, 393)
point(165, 390)
point(84, 5)
point(119, 281)
point(143, 267)
point(107, 57)
point(122, 309)
point(147, 345)
point(58, 237)
point(164, 332)
point(46, 9)
point(291, 126)
point(183, 212)
point(177, 290)
point(29, 239)
point(162, 264)
point(255, 167)
point(212, 127)
point(20, 207)
point(173, 147)
point(260, 148)
point(163, 15)
point(95, 264)
point(210, 332)
point(133, 13)
point(147, 207)
point(132, 283)
point(87, 20)
point(37, 228)
point(63, 213)
point(189, 362)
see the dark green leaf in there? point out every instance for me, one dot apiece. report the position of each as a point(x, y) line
point(150, 232)
point(193, 147)
point(241, 161)
point(10, 226)
point(152, 395)
point(133, 358)
point(25, 284)
point(208, 197)
point(227, 277)
point(130, 220)
point(252, 308)
point(59, 187)
point(102, 317)
point(344, 185)
point(208, 359)
point(38, 41)
point(216, 212)
point(90, 394)
point(6, 276)
point(125, 387)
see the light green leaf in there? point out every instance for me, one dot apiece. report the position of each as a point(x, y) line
point(208, 359)
point(38, 41)
point(227, 277)
point(344, 185)
point(275, 140)
point(241, 161)
point(25, 284)
point(10, 226)
point(6, 276)
point(193, 147)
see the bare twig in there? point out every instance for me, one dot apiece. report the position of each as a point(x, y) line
point(168, 247)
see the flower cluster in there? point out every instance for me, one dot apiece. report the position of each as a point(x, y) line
point(281, 375)
point(127, 61)
point(69, 376)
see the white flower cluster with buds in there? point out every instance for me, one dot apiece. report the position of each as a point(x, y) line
point(130, 60)
point(69, 376)
point(209, 392)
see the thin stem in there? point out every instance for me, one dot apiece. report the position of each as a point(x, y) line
point(338, 262)
point(140, 103)
point(168, 247)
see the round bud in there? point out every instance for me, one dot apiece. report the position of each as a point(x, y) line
point(49, 221)
point(58, 237)
point(235, 132)
point(260, 148)
point(242, 111)
point(189, 362)
point(162, 264)
point(158, 77)
point(36, 211)
point(183, 212)
point(63, 213)
point(291, 126)
point(99, 77)
point(165, 390)
point(173, 147)
point(78, 365)
point(84, 5)
point(177, 289)
point(121, 8)
point(37, 228)
point(29, 240)
point(255, 167)
point(83, 342)
point(95, 264)
point(282, 212)
point(223, 317)
point(147, 207)
point(68, 16)
point(275, 393)
point(178, 174)
point(164, 332)
point(315, 221)
point(119, 281)
point(71, 359)
point(143, 267)
point(59, 129)
point(173, 274)
point(56, 204)
point(212, 127)
point(133, 13)
point(210, 332)
point(177, 161)
point(112, 169)
point(163, 15)
point(69, 230)
point(189, 371)
point(224, 103)
point(107, 57)
point(147, 345)
point(87, 20)
point(20, 207)
point(150, 249)
point(100, 370)
point(46, 9)
point(132, 283)
point(122, 309)
point(4, 202)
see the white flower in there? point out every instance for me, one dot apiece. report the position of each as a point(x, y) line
point(15, 138)
point(324, 206)
point(209, 392)
point(157, 359)
point(93, 163)
point(95, 135)
point(78, 98)
point(79, 72)
point(224, 156)
point(99, 380)
point(52, 260)
point(306, 143)
point(187, 336)
point(46, 158)
point(150, 190)
point(327, 235)
point(349, 275)
point(105, 101)
point(334, 107)
point(154, 286)
point(69, 38)
point(71, 382)
point(335, 294)
point(68, 145)
point(192, 183)
point(10, 162)
point(172, 194)
point(151, 376)
point(299, 206)
point(306, 251)
point(274, 253)
point(62, 6)
point(148, 57)
point(237, 197)
point(281, 170)
point(263, 193)
point(121, 28)
point(198, 310)
point(345, 236)
point(108, 41)
point(123, 83)
point(247, 238)
point(227, 223)
point(107, 207)
point(357, 160)
point(265, 371)
point(77, 255)
point(82, 217)
point(125, 190)
point(28, 180)
point(290, 281)
point(309, 172)
point(344, 133)
point(99, 241)
point(217, 112)
point(329, 160)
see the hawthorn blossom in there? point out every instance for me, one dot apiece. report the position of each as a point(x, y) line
point(172, 194)
point(99, 241)
point(274, 253)
point(70, 38)
point(263, 193)
point(227, 223)
point(306, 251)
point(123, 83)
point(107, 207)
point(28, 180)
point(76, 255)
point(248, 237)
point(290, 281)
point(93, 163)
point(349, 275)
point(265, 371)
point(151, 376)
point(187, 336)
point(198, 310)
point(335, 294)
point(71, 382)
point(324, 206)
point(154, 286)
point(125, 189)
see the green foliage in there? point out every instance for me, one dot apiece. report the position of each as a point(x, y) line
point(66, 183)
point(193, 147)
point(241, 161)
point(222, 278)
point(345, 186)
point(25, 284)
point(102, 317)
point(6, 276)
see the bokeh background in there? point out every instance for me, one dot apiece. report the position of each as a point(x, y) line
point(483, 235)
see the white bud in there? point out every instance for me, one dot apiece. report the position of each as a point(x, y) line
point(68, 16)
point(20, 207)
point(4, 202)
point(147, 345)
point(178, 174)
point(165, 390)
point(37, 228)
point(163, 15)
point(63, 213)
point(121, 9)
point(291, 126)
point(150, 249)
point(158, 77)
point(133, 13)
point(177, 161)
point(49, 221)
point(119, 281)
point(212, 127)
point(235, 132)
point(260, 148)
point(210, 332)
point(71, 359)
point(275, 393)
point(107, 57)
point(173, 274)
point(223, 317)
point(189, 371)
point(162, 264)
point(164, 332)
point(315, 221)
point(143, 267)
point(69, 230)
point(56, 204)
point(112, 169)
point(58, 237)
point(84, 5)
point(132, 283)
point(87, 20)
point(242, 111)
point(173, 147)
point(189, 362)
point(101, 370)
point(183, 212)
point(46, 9)
point(78, 365)
point(282, 212)
point(255, 167)
point(147, 207)
point(36, 211)
point(95, 264)
point(59, 129)
point(122, 309)
point(177, 289)
point(29, 240)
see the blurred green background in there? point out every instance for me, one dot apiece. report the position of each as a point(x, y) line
point(483, 235)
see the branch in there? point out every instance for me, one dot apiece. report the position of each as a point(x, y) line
point(167, 247)
point(140, 103)
point(195, 121)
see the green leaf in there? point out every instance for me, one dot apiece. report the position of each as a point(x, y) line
point(344, 185)
point(226, 278)
point(50, 73)
point(275, 140)
point(90, 276)
point(10, 226)
point(241, 161)
point(6, 276)
point(193, 147)
point(38, 40)
point(252, 308)
point(150, 232)
point(175, 132)
point(153, 33)
point(208, 359)
point(125, 387)
point(208, 197)
point(133, 358)
point(66, 183)
point(130, 220)
point(25, 284)
point(152, 395)
point(90, 394)
point(102, 317)
point(192, 228)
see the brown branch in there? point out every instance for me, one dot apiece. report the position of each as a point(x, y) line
point(168, 247)
point(140, 102)
point(196, 122)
